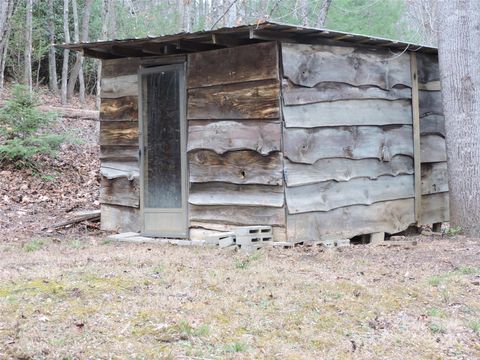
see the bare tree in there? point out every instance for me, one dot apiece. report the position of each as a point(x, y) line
point(66, 52)
point(459, 56)
point(77, 70)
point(28, 44)
point(52, 62)
point(6, 11)
point(322, 13)
point(422, 17)
point(106, 12)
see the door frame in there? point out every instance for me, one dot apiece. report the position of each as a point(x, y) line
point(150, 69)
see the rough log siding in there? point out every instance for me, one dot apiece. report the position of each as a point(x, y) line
point(348, 141)
point(434, 201)
point(119, 185)
point(234, 138)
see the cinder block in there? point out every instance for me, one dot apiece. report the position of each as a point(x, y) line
point(122, 236)
point(198, 242)
point(180, 242)
point(342, 242)
point(253, 230)
point(254, 239)
point(377, 238)
point(214, 239)
point(328, 243)
point(226, 241)
point(281, 244)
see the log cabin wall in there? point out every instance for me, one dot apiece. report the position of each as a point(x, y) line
point(234, 139)
point(348, 141)
point(434, 178)
point(119, 166)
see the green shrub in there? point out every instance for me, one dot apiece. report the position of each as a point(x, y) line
point(24, 130)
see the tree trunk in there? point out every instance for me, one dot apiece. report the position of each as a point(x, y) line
point(66, 52)
point(77, 70)
point(28, 45)
point(106, 10)
point(459, 56)
point(5, 26)
point(322, 13)
point(52, 62)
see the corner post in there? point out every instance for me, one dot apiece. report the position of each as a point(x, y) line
point(416, 138)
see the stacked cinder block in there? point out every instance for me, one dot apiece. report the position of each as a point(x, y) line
point(245, 237)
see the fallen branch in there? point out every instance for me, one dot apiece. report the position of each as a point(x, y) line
point(93, 215)
point(72, 113)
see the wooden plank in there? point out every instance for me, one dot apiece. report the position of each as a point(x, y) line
point(119, 67)
point(356, 142)
point(435, 208)
point(345, 223)
point(233, 194)
point(238, 215)
point(333, 91)
point(252, 100)
point(119, 133)
point(416, 137)
point(124, 108)
point(116, 169)
point(434, 178)
point(119, 86)
point(120, 191)
point(430, 103)
point(222, 136)
point(118, 153)
point(341, 169)
point(430, 86)
point(428, 69)
point(237, 167)
point(232, 65)
point(433, 148)
point(119, 218)
point(330, 195)
point(432, 125)
point(309, 65)
point(348, 113)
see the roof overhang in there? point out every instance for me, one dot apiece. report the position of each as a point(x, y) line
point(183, 43)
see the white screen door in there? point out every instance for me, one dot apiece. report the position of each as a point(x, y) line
point(163, 202)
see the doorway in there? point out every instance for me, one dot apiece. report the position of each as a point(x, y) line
point(163, 169)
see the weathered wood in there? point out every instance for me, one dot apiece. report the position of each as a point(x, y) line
point(333, 91)
point(330, 195)
point(416, 136)
point(344, 223)
point(120, 191)
point(251, 100)
point(430, 86)
point(119, 67)
point(119, 218)
point(120, 86)
point(237, 167)
point(118, 133)
point(309, 145)
point(116, 169)
point(93, 215)
point(435, 208)
point(433, 148)
point(118, 153)
point(232, 194)
point(238, 215)
point(125, 108)
point(432, 125)
point(340, 169)
point(349, 112)
point(232, 65)
point(428, 69)
point(308, 65)
point(222, 136)
point(434, 178)
point(430, 103)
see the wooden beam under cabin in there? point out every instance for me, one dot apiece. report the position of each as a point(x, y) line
point(229, 40)
point(126, 51)
point(416, 138)
point(98, 54)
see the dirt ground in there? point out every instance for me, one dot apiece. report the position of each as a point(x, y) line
point(89, 298)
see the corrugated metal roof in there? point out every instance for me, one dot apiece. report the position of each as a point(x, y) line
point(233, 36)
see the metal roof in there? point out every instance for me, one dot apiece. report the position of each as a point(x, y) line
point(227, 37)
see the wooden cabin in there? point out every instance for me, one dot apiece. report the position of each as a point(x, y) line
point(321, 134)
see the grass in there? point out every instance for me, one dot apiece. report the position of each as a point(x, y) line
point(33, 245)
point(90, 299)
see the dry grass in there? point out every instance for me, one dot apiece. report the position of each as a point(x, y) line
point(93, 299)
